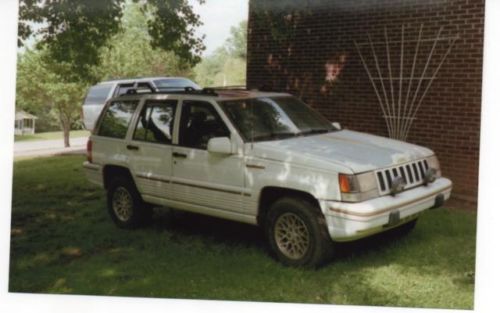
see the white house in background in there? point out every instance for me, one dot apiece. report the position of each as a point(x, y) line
point(25, 123)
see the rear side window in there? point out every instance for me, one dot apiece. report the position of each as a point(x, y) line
point(116, 119)
point(174, 83)
point(143, 88)
point(156, 122)
point(123, 88)
point(97, 94)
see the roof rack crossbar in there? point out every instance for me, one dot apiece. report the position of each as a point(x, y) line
point(237, 87)
point(185, 91)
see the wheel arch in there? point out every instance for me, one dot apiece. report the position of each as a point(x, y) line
point(111, 171)
point(271, 194)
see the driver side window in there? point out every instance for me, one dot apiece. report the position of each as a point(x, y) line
point(199, 123)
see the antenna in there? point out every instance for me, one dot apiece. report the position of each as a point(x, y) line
point(251, 127)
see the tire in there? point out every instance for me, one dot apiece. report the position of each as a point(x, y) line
point(125, 205)
point(310, 244)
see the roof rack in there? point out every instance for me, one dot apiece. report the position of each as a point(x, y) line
point(186, 91)
point(110, 79)
point(264, 87)
point(238, 87)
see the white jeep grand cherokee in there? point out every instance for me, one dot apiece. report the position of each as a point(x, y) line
point(259, 158)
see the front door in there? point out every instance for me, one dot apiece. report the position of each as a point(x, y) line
point(199, 177)
point(150, 150)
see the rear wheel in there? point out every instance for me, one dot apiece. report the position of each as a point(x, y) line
point(297, 233)
point(125, 204)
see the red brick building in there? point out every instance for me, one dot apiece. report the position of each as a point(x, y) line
point(307, 48)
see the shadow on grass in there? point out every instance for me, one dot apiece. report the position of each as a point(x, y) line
point(208, 228)
point(437, 231)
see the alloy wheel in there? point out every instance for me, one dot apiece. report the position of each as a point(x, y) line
point(122, 204)
point(291, 236)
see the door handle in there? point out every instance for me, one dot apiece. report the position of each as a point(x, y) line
point(179, 155)
point(131, 147)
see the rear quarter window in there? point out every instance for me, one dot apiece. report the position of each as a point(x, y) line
point(116, 119)
point(97, 94)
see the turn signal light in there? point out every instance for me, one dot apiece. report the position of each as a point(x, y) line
point(346, 183)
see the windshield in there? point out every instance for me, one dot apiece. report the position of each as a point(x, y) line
point(174, 83)
point(271, 118)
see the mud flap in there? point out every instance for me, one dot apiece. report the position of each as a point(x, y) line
point(394, 219)
point(439, 201)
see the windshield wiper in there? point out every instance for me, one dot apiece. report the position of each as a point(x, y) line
point(275, 136)
point(316, 131)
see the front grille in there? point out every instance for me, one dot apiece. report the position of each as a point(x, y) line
point(413, 174)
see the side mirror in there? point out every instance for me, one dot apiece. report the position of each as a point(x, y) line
point(221, 145)
point(337, 125)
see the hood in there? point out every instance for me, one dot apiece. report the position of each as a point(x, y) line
point(359, 152)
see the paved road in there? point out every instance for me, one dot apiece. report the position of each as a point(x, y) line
point(49, 147)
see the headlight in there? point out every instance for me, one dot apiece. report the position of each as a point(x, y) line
point(433, 171)
point(434, 163)
point(357, 188)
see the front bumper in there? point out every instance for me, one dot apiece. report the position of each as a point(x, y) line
point(350, 221)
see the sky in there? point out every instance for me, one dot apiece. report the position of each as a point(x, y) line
point(218, 16)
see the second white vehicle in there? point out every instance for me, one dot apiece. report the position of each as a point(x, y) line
point(103, 91)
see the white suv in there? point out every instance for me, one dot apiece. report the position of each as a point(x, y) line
point(260, 158)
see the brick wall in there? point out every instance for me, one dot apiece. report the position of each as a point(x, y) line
point(307, 48)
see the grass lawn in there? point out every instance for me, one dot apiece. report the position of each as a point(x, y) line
point(52, 135)
point(64, 243)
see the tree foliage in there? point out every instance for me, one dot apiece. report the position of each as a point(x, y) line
point(74, 31)
point(236, 44)
point(129, 53)
point(227, 64)
point(172, 28)
point(46, 87)
point(43, 90)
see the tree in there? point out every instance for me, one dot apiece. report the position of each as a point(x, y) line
point(208, 71)
point(40, 85)
point(129, 53)
point(74, 31)
point(227, 64)
point(82, 42)
point(237, 43)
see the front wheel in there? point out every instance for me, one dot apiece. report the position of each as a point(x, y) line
point(297, 233)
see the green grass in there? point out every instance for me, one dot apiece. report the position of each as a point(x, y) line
point(51, 135)
point(64, 243)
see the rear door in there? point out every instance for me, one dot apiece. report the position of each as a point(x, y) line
point(109, 143)
point(150, 148)
point(203, 178)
